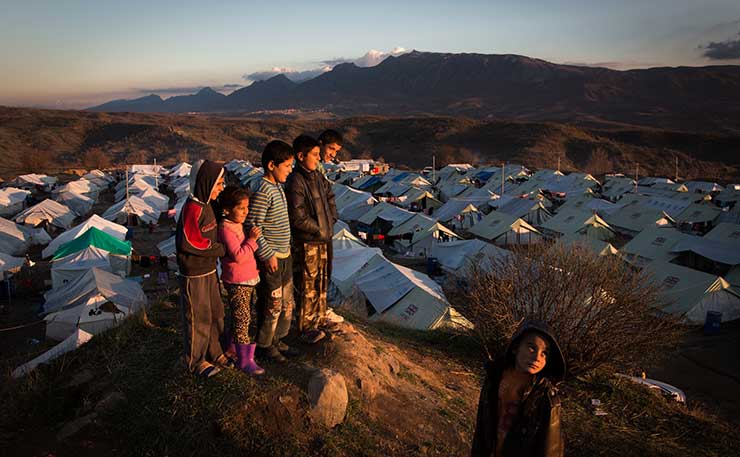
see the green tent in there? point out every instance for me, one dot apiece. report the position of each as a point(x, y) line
point(94, 237)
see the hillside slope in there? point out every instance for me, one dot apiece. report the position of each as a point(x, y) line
point(38, 140)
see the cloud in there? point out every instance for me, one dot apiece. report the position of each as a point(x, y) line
point(722, 50)
point(370, 59)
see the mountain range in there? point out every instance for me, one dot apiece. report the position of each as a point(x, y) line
point(485, 86)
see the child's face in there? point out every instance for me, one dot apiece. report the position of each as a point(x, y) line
point(329, 151)
point(281, 171)
point(531, 354)
point(217, 188)
point(310, 160)
point(239, 212)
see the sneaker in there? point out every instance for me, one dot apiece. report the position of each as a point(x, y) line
point(271, 353)
point(313, 336)
point(331, 316)
point(207, 370)
point(287, 351)
point(225, 361)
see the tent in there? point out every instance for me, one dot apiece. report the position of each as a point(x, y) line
point(344, 239)
point(16, 239)
point(10, 264)
point(699, 213)
point(96, 238)
point(419, 199)
point(654, 243)
point(347, 263)
point(141, 169)
point(691, 293)
point(133, 206)
point(138, 187)
point(12, 201)
point(33, 180)
point(404, 297)
point(387, 212)
point(703, 187)
point(633, 219)
point(111, 228)
point(351, 203)
point(71, 343)
point(79, 203)
point(455, 256)
point(81, 186)
point(49, 211)
point(423, 240)
point(530, 211)
point(459, 213)
point(167, 247)
point(155, 199)
point(504, 229)
point(181, 169)
point(95, 287)
point(65, 270)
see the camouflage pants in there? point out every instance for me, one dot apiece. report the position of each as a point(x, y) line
point(275, 303)
point(310, 274)
point(241, 301)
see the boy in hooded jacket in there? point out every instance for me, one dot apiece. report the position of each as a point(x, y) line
point(201, 308)
point(519, 409)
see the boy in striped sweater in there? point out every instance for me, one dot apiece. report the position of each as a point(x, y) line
point(268, 210)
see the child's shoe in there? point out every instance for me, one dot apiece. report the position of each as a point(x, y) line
point(246, 363)
point(271, 353)
point(286, 350)
point(313, 336)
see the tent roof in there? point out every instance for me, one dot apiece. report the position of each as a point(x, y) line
point(9, 263)
point(637, 218)
point(388, 212)
point(497, 223)
point(570, 220)
point(454, 255)
point(453, 207)
point(11, 195)
point(520, 207)
point(711, 249)
point(436, 227)
point(134, 205)
point(84, 259)
point(95, 282)
point(725, 232)
point(48, 210)
point(653, 243)
point(111, 228)
point(415, 223)
point(97, 238)
point(698, 212)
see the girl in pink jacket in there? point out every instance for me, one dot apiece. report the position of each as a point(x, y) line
point(239, 272)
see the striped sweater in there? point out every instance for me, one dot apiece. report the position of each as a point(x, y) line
point(268, 210)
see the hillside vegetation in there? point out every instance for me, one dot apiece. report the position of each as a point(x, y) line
point(34, 140)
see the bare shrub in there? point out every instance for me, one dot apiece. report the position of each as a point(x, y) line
point(96, 158)
point(603, 312)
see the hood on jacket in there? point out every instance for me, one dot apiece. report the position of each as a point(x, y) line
point(203, 177)
point(555, 366)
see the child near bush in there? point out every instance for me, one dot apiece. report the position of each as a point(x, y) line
point(239, 273)
point(268, 210)
point(519, 409)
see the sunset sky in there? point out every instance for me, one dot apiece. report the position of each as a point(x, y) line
point(74, 54)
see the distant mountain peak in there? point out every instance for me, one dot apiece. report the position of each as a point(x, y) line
point(206, 91)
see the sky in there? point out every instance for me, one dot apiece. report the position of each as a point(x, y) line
point(72, 54)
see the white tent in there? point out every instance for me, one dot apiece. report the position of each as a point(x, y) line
point(404, 297)
point(66, 270)
point(504, 229)
point(344, 239)
point(633, 219)
point(459, 213)
point(111, 228)
point(79, 203)
point(455, 256)
point(32, 180)
point(49, 211)
point(347, 263)
point(691, 293)
point(155, 199)
point(72, 342)
point(95, 287)
point(9, 263)
point(12, 201)
point(652, 244)
point(134, 205)
point(386, 212)
point(91, 318)
point(167, 247)
point(81, 186)
point(16, 239)
point(698, 212)
point(423, 240)
point(138, 187)
point(142, 169)
point(530, 211)
point(181, 169)
point(352, 203)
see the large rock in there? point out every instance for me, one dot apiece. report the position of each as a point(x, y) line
point(327, 393)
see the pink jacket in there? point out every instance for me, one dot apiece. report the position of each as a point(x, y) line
point(238, 265)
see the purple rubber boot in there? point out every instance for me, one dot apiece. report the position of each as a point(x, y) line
point(245, 356)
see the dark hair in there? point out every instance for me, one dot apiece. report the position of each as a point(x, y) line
point(231, 196)
point(330, 136)
point(304, 144)
point(276, 152)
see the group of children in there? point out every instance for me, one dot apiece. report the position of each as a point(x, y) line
point(279, 241)
point(270, 243)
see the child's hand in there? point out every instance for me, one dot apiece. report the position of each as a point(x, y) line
point(272, 264)
point(255, 232)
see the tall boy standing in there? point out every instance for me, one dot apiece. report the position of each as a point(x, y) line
point(201, 308)
point(312, 217)
point(268, 210)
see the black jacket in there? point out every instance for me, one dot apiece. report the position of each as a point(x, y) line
point(311, 205)
point(537, 432)
point(195, 238)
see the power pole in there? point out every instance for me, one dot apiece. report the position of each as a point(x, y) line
point(434, 165)
point(156, 175)
point(503, 177)
point(126, 182)
point(558, 163)
point(637, 174)
point(676, 168)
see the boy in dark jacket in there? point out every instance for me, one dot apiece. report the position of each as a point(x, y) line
point(312, 217)
point(201, 307)
point(519, 410)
